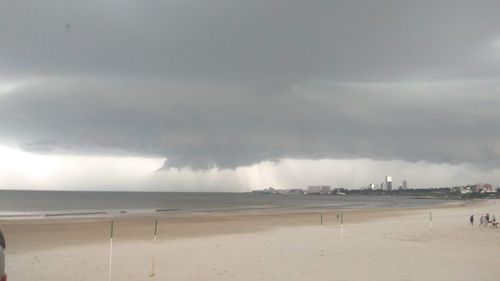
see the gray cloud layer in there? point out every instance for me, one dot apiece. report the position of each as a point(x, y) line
point(226, 83)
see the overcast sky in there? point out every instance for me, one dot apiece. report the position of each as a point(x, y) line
point(234, 95)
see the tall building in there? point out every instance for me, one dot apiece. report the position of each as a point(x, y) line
point(388, 183)
point(314, 189)
point(405, 184)
point(326, 189)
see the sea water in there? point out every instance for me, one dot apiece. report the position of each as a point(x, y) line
point(53, 204)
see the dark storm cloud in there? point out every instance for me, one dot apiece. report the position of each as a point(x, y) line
point(196, 128)
point(250, 40)
point(225, 83)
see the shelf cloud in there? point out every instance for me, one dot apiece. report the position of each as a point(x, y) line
point(226, 85)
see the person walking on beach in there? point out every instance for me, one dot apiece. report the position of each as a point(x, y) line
point(471, 219)
point(3, 276)
point(481, 221)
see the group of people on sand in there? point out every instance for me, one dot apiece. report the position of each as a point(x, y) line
point(484, 221)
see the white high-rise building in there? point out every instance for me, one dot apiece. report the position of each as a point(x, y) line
point(388, 183)
point(405, 184)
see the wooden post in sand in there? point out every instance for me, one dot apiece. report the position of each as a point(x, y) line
point(110, 251)
point(153, 257)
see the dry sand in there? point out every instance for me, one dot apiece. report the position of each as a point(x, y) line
point(374, 245)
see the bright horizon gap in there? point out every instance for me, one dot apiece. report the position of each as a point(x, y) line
point(21, 170)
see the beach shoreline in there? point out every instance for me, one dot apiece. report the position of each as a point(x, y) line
point(188, 224)
point(85, 216)
point(264, 236)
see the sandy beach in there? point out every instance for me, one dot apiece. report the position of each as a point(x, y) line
point(382, 244)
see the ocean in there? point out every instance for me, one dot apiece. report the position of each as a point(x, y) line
point(61, 204)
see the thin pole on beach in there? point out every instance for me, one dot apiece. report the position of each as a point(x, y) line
point(341, 231)
point(430, 220)
point(110, 251)
point(341, 224)
point(154, 253)
point(321, 218)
